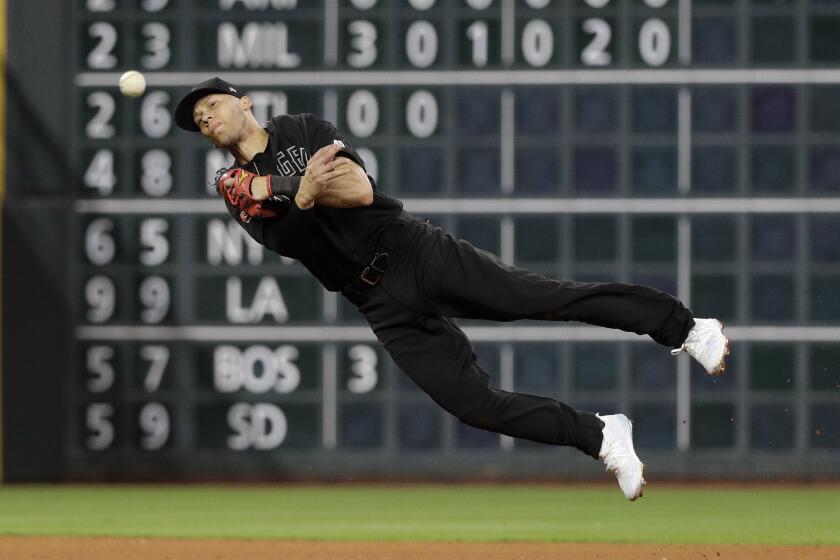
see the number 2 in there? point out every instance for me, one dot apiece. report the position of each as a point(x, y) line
point(101, 57)
point(595, 53)
point(100, 125)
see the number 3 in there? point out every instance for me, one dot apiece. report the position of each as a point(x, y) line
point(365, 377)
point(157, 45)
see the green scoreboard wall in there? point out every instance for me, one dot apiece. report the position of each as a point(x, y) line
point(689, 145)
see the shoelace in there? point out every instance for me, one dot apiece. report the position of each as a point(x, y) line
point(691, 339)
point(614, 458)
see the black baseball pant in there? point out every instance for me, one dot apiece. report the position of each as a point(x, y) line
point(432, 276)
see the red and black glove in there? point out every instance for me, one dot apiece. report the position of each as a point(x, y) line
point(239, 194)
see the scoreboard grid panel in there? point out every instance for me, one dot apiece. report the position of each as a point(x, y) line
point(634, 387)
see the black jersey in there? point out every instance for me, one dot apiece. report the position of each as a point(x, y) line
point(330, 242)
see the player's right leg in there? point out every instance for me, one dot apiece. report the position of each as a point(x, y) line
point(436, 354)
point(619, 455)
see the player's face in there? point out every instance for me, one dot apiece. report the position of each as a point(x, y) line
point(221, 118)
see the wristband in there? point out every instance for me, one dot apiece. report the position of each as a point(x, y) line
point(284, 186)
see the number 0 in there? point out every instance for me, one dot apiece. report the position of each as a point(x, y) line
point(362, 113)
point(421, 44)
point(421, 114)
point(537, 42)
point(654, 42)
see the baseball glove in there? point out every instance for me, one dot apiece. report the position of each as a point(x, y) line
point(239, 194)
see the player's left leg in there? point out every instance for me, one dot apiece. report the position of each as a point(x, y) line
point(473, 283)
point(463, 281)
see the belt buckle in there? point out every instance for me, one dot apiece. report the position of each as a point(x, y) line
point(372, 281)
point(372, 273)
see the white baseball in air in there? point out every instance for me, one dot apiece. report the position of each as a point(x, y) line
point(132, 83)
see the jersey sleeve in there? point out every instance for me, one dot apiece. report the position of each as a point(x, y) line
point(323, 133)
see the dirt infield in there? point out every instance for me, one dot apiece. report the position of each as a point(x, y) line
point(56, 548)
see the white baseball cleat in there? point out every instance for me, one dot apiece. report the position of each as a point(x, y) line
point(619, 456)
point(707, 344)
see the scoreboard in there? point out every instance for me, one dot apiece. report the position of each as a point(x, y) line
point(692, 145)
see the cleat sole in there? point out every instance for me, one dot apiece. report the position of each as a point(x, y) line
point(641, 487)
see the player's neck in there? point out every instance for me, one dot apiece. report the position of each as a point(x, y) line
point(252, 143)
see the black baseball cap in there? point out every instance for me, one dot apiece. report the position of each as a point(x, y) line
point(184, 111)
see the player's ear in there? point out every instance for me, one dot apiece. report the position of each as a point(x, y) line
point(245, 102)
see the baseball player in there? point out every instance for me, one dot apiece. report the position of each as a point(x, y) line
point(301, 190)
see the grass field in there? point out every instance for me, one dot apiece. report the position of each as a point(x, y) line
point(666, 514)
